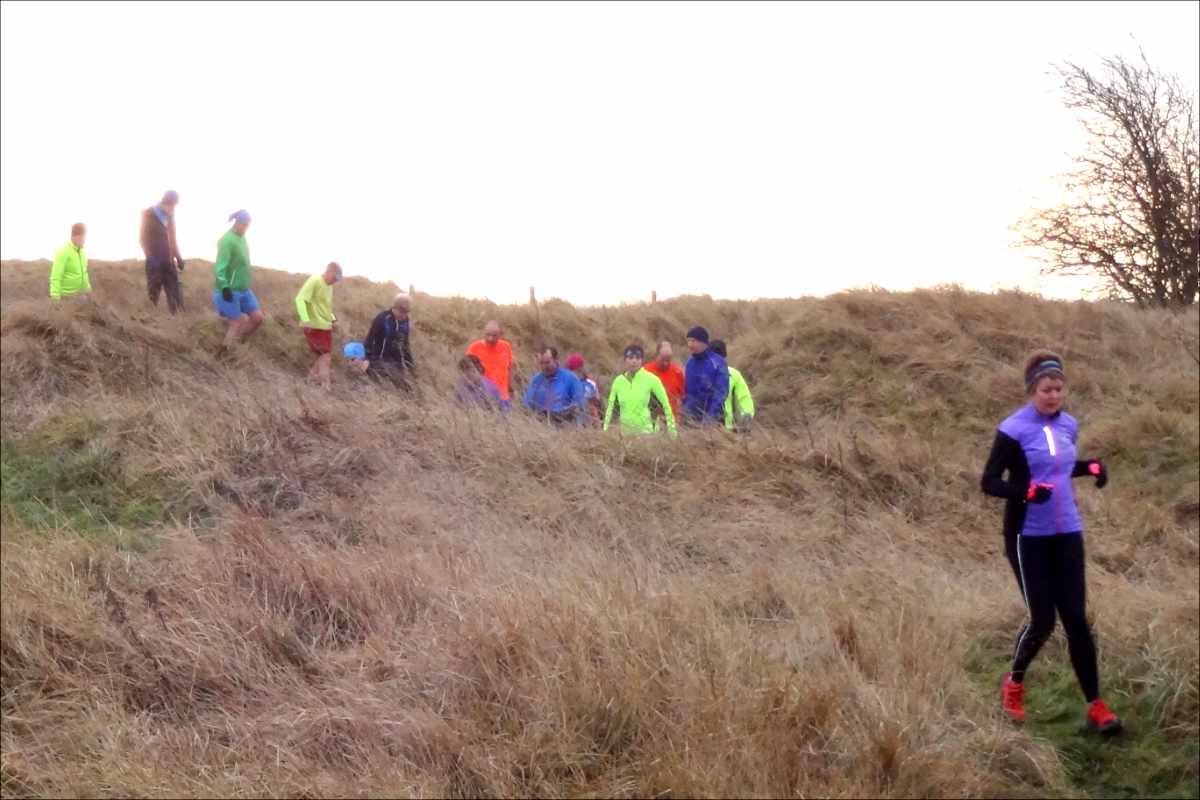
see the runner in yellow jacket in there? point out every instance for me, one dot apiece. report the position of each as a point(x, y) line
point(739, 395)
point(631, 392)
point(68, 273)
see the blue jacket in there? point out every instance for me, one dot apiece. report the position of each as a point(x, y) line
point(1033, 448)
point(705, 387)
point(555, 395)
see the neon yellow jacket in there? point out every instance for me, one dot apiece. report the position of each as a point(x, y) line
point(68, 274)
point(739, 392)
point(634, 399)
point(314, 303)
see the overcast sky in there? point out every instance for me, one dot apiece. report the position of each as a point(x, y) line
point(595, 151)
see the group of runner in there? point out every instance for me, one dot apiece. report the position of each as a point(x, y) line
point(1031, 466)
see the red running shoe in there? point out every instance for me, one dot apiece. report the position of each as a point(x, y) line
point(1101, 720)
point(1012, 695)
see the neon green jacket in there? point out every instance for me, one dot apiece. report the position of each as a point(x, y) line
point(68, 274)
point(739, 392)
point(634, 399)
point(314, 303)
point(232, 269)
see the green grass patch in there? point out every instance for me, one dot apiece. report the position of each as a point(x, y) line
point(81, 490)
point(1141, 762)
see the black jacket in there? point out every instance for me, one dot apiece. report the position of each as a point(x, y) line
point(158, 240)
point(388, 340)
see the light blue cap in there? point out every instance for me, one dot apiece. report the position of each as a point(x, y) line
point(354, 350)
point(241, 216)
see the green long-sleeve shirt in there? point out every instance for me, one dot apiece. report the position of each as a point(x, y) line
point(232, 269)
point(634, 395)
point(739, 394)
point(68, 273)
point(314, 303)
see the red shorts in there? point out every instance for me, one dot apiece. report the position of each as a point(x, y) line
point(320, 342)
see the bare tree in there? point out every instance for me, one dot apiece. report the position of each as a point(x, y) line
point(1132, 213)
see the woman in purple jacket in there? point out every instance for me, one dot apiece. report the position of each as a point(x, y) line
point(1043, 533)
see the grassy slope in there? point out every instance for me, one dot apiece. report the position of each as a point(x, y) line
point(217, 580)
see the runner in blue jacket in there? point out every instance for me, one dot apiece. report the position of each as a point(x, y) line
point(1043, 532)
point(555, 392)
point(706, 381)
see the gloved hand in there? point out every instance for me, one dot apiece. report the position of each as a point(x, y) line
point(1096, 468)
point(179, 264)
point(1038, 492)
point(227, 294)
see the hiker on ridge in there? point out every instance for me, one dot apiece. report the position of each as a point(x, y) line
point(739, 404)
point(68, 272)
point(591, 392)
point(554, 393)
point(496, 355)
point(1043, 532)
point(232, 296)
point(631, 392)
point(706, 381)
point(387, 343)
point(161, 248)
point(671, 375)
point(314, 304)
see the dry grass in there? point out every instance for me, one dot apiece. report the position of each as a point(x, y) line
point(219, 581)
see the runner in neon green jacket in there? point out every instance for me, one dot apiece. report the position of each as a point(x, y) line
point(69, 274)
point(739, 393)
point(631, 392)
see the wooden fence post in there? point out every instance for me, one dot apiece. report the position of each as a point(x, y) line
point(532, 297)
point(653, 296)
point(411, 290)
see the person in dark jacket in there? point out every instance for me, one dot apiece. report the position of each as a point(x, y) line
point(387, 343)
point(705, 382)
point(161, 248)
point(1043, 532)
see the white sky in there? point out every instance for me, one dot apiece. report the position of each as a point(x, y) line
point(595, 151)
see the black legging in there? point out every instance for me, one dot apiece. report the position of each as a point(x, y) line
point(1050, 572)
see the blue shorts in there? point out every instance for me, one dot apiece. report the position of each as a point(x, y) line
point(242, 303)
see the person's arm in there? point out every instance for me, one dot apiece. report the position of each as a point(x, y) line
point(221, 268)
point(143, 235)
point(406, 351)
point(302, 299)
point(1094, 467)
point(56, 273)
point(87, 280)
point(742, 397)
point(1006, 452)
point(612, 401)
point(373, 344)
point(660, 393)
point(529, 392)
point(720, 391)
point(173, 240)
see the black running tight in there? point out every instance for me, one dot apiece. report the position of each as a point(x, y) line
point(1050, 572)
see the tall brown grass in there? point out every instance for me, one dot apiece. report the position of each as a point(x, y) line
point(371, 593)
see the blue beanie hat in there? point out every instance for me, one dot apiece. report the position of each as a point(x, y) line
point(354, 350)
point(699, 334)
point(241, 215)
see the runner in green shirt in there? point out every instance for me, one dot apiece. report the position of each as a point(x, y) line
point(631, 392)
point(232, 296)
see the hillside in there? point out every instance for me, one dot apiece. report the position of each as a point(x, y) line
point(218, 580)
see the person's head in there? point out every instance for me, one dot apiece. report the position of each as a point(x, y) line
point(241, 221)
point(718, 347)
point(663, 354)
point(548, 361)
point(492, 333)
point(356, 355)
point(575, 363)
point(471, 368)
point(697, 340)
point(78, 234)
point(333, 273)
point(1045, 381)
point(170, 200)
point(633, 358)
point(401, 305)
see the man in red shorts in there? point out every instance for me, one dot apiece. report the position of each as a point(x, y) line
point(314, 304)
